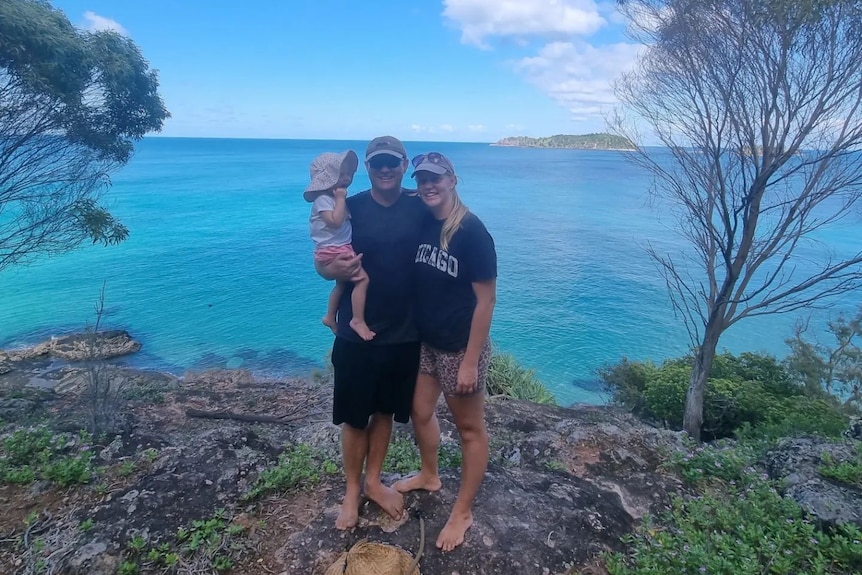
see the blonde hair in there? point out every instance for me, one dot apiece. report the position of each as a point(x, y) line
point(453, 221)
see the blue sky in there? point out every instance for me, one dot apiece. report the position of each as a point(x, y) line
point(441, 70)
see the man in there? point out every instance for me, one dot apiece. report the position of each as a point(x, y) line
point(374, 380)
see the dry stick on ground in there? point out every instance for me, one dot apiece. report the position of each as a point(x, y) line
point(248, 416)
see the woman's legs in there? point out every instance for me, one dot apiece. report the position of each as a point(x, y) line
point(469, 414)
point(427, 430)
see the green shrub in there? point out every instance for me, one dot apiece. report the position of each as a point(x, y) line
point(626, 381)
point(738, 523)
point(745, 529)
point(799, 415)
point(750, 394)
point(507, 377)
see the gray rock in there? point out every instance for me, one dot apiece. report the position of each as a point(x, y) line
point(525, 522)
point(797, 461)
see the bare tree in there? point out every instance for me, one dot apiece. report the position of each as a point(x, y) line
point(71, 104)
point(102, 391)
point(757, 105)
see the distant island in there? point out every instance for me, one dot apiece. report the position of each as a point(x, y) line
point(581, 142)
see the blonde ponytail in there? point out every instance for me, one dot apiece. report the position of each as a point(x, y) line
point(453, 222)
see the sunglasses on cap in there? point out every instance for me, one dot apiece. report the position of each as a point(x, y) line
point(433, 157)
point(384, 160)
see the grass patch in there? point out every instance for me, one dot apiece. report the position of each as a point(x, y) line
point(507, 377)
point(847, 472)
point(206, 546)
point(37, 453)
point(297, 466)
point(403, 456)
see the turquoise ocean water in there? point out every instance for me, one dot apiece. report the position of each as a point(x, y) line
point(217, 269)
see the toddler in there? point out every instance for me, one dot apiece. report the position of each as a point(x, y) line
point(329, 226)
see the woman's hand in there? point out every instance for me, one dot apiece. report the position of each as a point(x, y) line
point(468, 378)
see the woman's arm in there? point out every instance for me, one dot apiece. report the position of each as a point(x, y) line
point(480, 328)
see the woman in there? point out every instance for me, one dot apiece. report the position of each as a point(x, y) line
point(456, 279)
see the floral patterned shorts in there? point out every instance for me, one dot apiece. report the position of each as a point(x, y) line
point(444, 365)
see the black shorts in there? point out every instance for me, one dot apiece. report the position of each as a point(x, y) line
point(373, 379)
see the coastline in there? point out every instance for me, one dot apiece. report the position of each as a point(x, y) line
point(496, 145)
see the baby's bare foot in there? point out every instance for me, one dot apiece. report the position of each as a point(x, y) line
point(453, 532)
point(387, 498)
point(330, 323)
point(420, 481)
point(362, 330)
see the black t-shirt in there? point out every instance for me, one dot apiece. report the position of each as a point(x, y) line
point(445, 300)
point(386, 236)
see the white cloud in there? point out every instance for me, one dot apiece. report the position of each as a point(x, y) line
point(579, 76)
point(98, 23)
point(476, 128)
point(441, 129)
point(480, 19)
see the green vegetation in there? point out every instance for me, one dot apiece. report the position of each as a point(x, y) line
point(747, 395)
point(737, 524)
point(507, 377)
point(403, 456)
point(735, 520)
point(297, 466)
point(206, 546)
point(37, 453)
point(580, 142)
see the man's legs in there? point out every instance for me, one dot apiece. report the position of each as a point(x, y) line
point(354, 447)
point(379, 434)
point(367, 446)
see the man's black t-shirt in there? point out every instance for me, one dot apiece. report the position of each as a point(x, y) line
point(386, 236)
point(445, 300)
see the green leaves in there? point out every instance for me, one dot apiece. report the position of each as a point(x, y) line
point(73, 103)
point(737, 526)
point(749, 394)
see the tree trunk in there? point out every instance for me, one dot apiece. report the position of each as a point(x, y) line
point(693, 419)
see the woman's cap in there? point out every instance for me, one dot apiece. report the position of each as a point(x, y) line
point(433, 162)
point(326, 169)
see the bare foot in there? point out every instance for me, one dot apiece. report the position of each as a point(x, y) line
point(349, 514)
point(417, 482)
point(453, 532)
point(362, 330)
point(330, 323)
point(387, 498)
